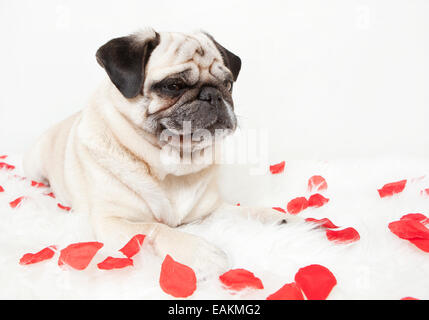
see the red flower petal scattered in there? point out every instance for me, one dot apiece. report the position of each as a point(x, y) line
point(15, 203)
point(4, 165)
point(344, 236)
point(3, 157)
point(279, 209)
point(176, 279)
point(277, 168)
point(79, 255)
point(409, 298)
point(317, 200)
point(239, 279)
point(316, 281)
point(289, 291)
point(324, 223)
point(317, 183)
point(44, 254)
point(409, 229)
point(425, 192)
point(59, 205)
point(115, 263)
point(52, 195)
point(133, 246)
point(422, 244)
point(38, 184)
point(1, 189)
point(392, 188)
point(296, 205)
point(416, 216)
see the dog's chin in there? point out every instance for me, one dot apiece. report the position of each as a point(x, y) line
point(197, 140)
point(186, 144)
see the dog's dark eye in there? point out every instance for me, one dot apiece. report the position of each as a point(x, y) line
point(228, 85)
point(173, 86)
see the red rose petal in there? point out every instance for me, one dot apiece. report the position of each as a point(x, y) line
point(409, 298)
point(15, 203)
point(239, 279)
point(133, 246)
point(324, 223)
point(279, 209)
point(416, 216)
point(38, 184)
point(289, 291)
point(425, 192)
point(115, 263)
point(277, 168)
point(316, 281)
point(317, 200)
point(3, 157)
point(392, 188)
point(44, 254)
point(422, 244)
point(345, 236)
point(1, 189)
point(52, 195)
point(296, 205)
point(59, 205)
point(4, 165)
point(176, 279)
point(317, 183)
point(409, 229)
point(79, 255)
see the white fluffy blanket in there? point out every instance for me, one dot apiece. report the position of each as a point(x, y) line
point(378, 266)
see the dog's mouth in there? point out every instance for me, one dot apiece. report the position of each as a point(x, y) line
point(190, 138)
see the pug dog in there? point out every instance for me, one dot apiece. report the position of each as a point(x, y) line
point(119, 159)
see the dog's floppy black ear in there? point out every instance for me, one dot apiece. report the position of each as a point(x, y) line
point(125, 58)
point(231, 61)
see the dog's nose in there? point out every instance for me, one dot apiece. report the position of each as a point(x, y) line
point(210, 94)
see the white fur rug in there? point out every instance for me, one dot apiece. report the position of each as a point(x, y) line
point(378, 266)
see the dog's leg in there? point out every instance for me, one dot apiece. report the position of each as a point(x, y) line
point(263, 214)
point(191, 250)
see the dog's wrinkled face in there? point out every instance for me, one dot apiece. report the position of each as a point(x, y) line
point(179, 83)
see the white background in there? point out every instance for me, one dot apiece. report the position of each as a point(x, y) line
point(328, 79)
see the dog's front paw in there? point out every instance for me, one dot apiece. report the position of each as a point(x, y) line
point(203, 257)
point(209, 261)
point(269, 215)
